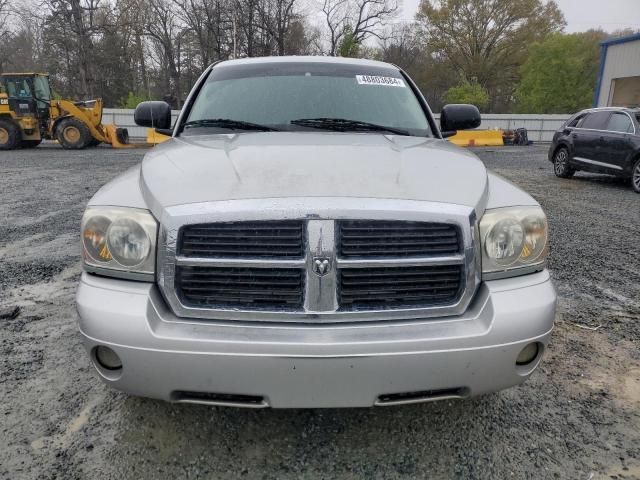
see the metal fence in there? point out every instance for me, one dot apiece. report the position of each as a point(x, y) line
point(539, 127)
point(123, 117)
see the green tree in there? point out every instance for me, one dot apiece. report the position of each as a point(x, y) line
point(133, 100)
point(349, 46)
point(468, 92)
point(488, 40)
point(560, 74)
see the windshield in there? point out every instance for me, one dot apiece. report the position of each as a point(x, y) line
point(307, 96)
point(18, 87)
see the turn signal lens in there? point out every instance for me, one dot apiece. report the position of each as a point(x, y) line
point(535, 237)
point(94, 238)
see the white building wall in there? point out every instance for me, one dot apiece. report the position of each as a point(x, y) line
point(623, 60)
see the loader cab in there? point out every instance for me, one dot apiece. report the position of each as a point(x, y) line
point(29, 94)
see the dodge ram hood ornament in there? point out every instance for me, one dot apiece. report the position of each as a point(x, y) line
point(321, 266)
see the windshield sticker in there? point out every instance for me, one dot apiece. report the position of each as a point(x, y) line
point(375, 80)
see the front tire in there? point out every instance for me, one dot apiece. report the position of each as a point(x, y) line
point(561, 165)
point(635, 177)
point(73, 134)
point(10, 135)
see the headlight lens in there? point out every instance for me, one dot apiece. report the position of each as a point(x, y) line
point(128, 242)
point(119, 241)
point(513, 238)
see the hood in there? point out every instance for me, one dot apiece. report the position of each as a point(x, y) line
point(316, 164)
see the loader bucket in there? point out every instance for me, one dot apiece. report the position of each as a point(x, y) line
point(154, 138)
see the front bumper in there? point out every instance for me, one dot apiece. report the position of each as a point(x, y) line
point(291, 366)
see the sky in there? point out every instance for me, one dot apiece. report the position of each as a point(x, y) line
point(609, 15)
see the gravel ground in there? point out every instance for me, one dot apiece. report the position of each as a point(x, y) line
point(577, 418)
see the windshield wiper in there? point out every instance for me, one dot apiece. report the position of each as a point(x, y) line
point(228, 123)
point(344, 125)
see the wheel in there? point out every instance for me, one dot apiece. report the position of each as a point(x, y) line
point(73, 134)
point(561, 164)
point(10, 135)
point(635, 177)
point(30, 143)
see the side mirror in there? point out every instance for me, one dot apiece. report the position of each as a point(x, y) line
point(456, 117)
point(153, 114)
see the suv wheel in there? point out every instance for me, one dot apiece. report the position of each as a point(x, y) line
point(561, 164)
point(635, 177)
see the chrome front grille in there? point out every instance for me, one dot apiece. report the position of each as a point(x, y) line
point(393, 238)
point(264, 239)
point(399, 287)
point(254, 288)
point(242, 261)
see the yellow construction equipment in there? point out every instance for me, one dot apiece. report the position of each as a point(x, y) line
point(478, 138)
point(29, 114)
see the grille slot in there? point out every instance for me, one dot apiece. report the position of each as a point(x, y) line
point(383, 238)
point(282, 239)
point(399, 287)
point(240, 287)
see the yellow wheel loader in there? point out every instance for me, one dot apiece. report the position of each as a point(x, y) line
point(28, 114)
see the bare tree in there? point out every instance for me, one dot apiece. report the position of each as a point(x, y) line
point(402, 47)
point(276, 16)
point(211, 23)
point(77, 18)
point(166, 34)
point(357, 19)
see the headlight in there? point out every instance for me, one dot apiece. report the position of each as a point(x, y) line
point(514, 241)
point(119, 242)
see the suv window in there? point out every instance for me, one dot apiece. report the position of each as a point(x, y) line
point(620, 122)
point(596, 120)
point(576, 121)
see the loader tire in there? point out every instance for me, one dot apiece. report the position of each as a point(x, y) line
point(73, 134)
point(30, 143)
point(10, 135)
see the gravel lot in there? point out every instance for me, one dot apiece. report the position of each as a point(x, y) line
point(577, 418)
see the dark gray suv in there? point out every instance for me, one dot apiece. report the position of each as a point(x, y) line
point(599, 140)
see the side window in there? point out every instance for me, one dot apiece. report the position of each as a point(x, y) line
point(619, 122)
point(596, 120)
point(575, 122)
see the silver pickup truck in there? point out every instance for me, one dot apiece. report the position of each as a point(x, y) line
point(309, 238)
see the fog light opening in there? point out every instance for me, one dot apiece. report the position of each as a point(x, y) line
point(107, 358)
point(528, 354)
